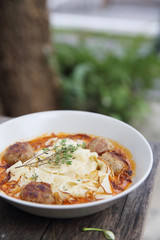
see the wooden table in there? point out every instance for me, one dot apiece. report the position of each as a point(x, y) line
point(126, 218)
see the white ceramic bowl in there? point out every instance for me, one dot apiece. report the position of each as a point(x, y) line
point(33, 125)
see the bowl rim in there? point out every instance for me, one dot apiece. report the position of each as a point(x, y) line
point(88, 204)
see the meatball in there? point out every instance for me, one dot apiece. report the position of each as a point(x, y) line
point(38, 192)
point(100, 145)
point(115, 161)
point(20, 151)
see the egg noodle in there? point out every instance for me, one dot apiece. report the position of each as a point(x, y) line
point(74, 173)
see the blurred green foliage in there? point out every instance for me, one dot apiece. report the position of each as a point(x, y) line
point(99, 80)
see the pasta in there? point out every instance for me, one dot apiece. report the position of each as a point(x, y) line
point(66, 168)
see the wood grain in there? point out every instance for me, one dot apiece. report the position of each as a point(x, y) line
point(15, 224)
point(126, 218)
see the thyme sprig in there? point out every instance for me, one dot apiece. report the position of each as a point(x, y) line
point(62, 154)
point(34, 176)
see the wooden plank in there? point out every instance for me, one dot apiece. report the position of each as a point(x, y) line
point(16, 224)
point(125, 218)
point(72, 228)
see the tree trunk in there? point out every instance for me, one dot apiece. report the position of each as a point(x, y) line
point(27, 84)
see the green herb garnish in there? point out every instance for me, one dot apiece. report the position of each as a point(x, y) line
point(108, 234)
point(64, 188)
point(63, 154)
point(45, 150)
point(83, 145)
point(34, 176)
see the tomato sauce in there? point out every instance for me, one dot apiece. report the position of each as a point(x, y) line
point(118, 183)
